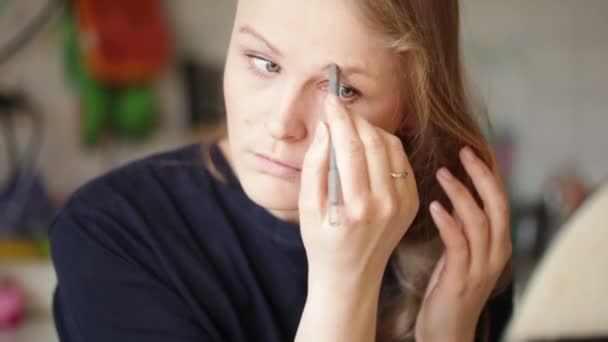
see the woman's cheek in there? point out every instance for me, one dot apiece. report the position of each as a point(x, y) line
point(386, 117)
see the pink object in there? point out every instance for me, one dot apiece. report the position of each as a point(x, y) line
point(12, 304)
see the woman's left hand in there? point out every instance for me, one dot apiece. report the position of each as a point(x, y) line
point(477, 247)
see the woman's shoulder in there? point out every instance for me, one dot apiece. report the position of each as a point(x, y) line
point(144, 179)
point(146, 202)
point(148, 189)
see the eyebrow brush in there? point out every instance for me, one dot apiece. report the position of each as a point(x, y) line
point(334, 176)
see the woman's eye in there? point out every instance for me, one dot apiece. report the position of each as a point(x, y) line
point(265, 65)
point(347, 92)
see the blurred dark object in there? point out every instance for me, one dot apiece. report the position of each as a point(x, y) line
point(537, 223)
point(530, 230)
point(14, 36)
point(564, 192)
point(203, 89)
point(123, 41)
point(25, 206)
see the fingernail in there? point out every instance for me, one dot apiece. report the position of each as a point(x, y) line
point(436, 208)
point(332, 99)
point(445, 174)
point(467, 153)
point(320, 133)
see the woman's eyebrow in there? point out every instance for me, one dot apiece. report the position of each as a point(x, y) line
point(246, 29)
point(350, 70)
point(346, 70)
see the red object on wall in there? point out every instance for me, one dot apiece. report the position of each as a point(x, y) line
point(123, 41)
point(12, 303)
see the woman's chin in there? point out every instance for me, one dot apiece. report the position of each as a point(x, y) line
point(271, 193)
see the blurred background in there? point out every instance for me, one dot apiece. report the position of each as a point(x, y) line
point(86, 86)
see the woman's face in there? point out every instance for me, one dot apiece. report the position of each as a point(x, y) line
point(275, 83)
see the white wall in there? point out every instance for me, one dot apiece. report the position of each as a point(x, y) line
point(541, 68)
point(203, 26)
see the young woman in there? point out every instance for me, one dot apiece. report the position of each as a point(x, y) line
point(231, 242)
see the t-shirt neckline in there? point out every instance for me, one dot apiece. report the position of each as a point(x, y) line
point(282, 232)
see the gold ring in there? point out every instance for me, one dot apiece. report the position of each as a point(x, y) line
point(399, 174)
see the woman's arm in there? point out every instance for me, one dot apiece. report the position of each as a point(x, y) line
point(340, 310)
point(346, 261)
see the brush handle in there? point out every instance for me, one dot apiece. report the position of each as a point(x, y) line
point(334, 175)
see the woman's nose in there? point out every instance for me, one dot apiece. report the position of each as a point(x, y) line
point(288, 119)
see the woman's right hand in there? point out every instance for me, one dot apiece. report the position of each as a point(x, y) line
point(375, 211)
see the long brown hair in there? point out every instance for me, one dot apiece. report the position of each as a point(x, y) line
point(425, 35)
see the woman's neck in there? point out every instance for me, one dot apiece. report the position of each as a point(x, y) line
point(291, 215)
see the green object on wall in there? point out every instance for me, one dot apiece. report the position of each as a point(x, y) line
point(94, 102)
point(134, 112)
point(93, 96)
point(130, 111)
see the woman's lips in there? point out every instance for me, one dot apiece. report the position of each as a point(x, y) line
point(274, 167)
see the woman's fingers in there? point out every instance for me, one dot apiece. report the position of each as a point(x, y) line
point(385, 154)
point(475, 221)
point(400, 163)
point(313, 180)
point(495, 202)
point(382, 187)
point(350, 151)
point(407, 189)
point(457, 251)
point(366, 156)
point(435, 276)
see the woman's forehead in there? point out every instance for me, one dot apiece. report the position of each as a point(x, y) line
point(319, 31)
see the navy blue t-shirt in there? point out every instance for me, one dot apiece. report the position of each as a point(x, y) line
point(161, 250)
